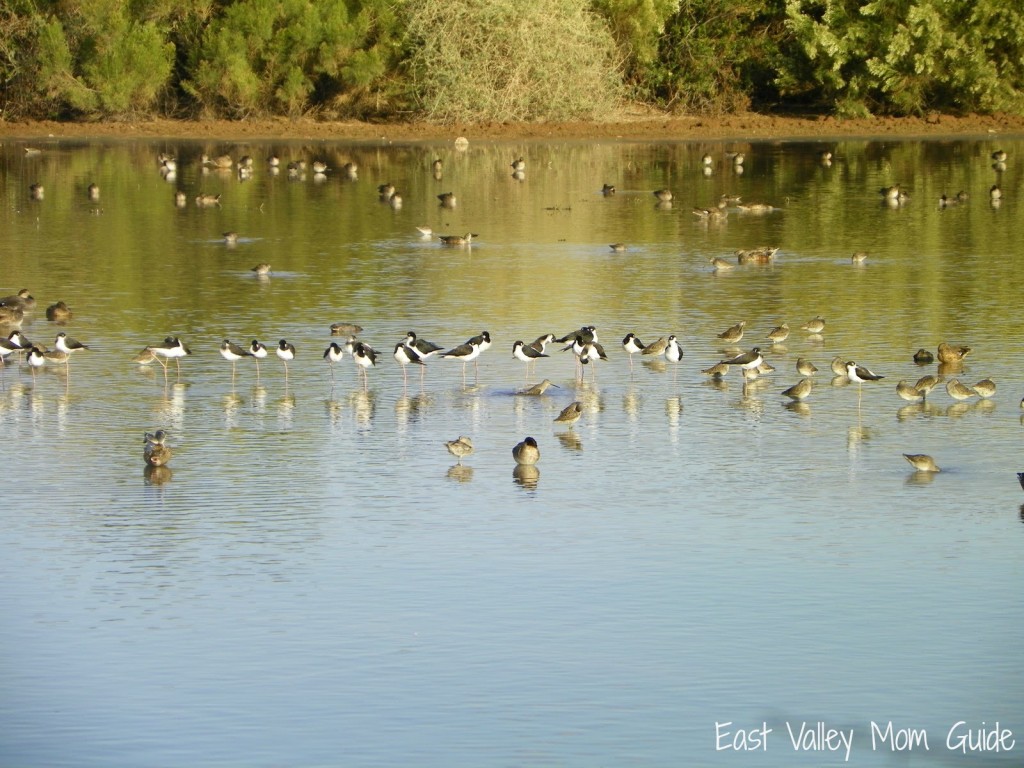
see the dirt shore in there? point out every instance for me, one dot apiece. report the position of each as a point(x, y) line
point(640, 126)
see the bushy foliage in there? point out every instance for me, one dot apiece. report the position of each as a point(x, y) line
point(906, 56)
point(716, 56)
point(271, 56)
point(637, 26)
point(511, 60)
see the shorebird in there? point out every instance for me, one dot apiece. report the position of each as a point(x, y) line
point(959, 391)
point(319, 166)
point(519, 165)
point(985, 388)
point(526, 453)
point(230, 238)
point(261, 270)
point(632, 345)
point(527, 354)
point(733, 334)
point(333, 354)
point(859, 374)
point(541, 342)
point(817, 325)
point(406, 355)
point(466, 239)
point(207, 201)
point(538, 389)
point(747, 360)
point(800, 390)
point(259, 352)
point(35, 358)
point(66, 344)
point(14, 343)
point(232, 353)
point(805, 367)
point(36, 191)
point(663, 195)
point(365, 357)
point(674, 354)
point(618, 247)
point(716, 371)
point(286, 353)
point(778, 334)
point(425, 349)
point(460, 447)
point(655, 348)
point(467, 352)
point(926, 384)
point(171, 348)
point(908, 392)
point(719, 264)
point(838, 366)
point(92, 192)
point(859, 257)
point(922, 462)
point(570, 414)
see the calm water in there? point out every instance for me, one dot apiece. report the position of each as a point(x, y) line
point(316, 582)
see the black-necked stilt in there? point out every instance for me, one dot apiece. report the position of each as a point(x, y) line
point(405, 355)
point(467, 352)
point(14, 343)
point(258, 351)
point(540, 344)
point(527, 354)
point(425, 349)
point(171, 348)
point(860, 374)
point(333, 354)
point(68, 345)
point(232, 353)
point(570, 414)
point(286, 353)
point(587, 333)
point(58, 313)
point(460, 447)
point(36, 358)
point(365, 357)
point(526, 453)
point(674, 354)
point(922, 462)
point(747, 360)
point(519, 165)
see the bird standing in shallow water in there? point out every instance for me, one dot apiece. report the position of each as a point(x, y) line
point(922, 462)
point(959, 391)
point(233, 353)
point(817, 325)
point(570, 414)
point(460, 447)
point(333, 354)
point(526, 453)
point(909, 393)
point(286, 353)
point(406, 355)
point(258, 351)
point(365, 357)
point(800, 390)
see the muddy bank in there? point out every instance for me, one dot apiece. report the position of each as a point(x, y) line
point(644, 127)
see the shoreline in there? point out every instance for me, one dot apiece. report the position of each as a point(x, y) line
point(640, 127)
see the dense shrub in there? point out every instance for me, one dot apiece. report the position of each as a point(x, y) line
point(637, 26)
point(511, 60)
point(906, 56)
point(717, 56)
point(271, 56)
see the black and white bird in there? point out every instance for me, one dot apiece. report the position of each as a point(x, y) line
point(633, 346)
point(286, 353)
point(527, 354)
point(233, 353)
point(333, 354)
point(747, 360)
point(406, 355)
point(258, 351)
point(365, 357)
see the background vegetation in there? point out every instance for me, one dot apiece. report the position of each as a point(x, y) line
point(479, 60)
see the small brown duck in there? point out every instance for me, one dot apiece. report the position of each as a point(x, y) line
point(156, 452)
point(951, 354)
point(59, 312)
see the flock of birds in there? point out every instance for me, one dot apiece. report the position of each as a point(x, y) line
point(583, 343)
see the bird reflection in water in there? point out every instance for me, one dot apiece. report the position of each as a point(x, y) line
point(526, 475)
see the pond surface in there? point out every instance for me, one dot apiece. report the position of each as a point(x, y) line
point(313, 580)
